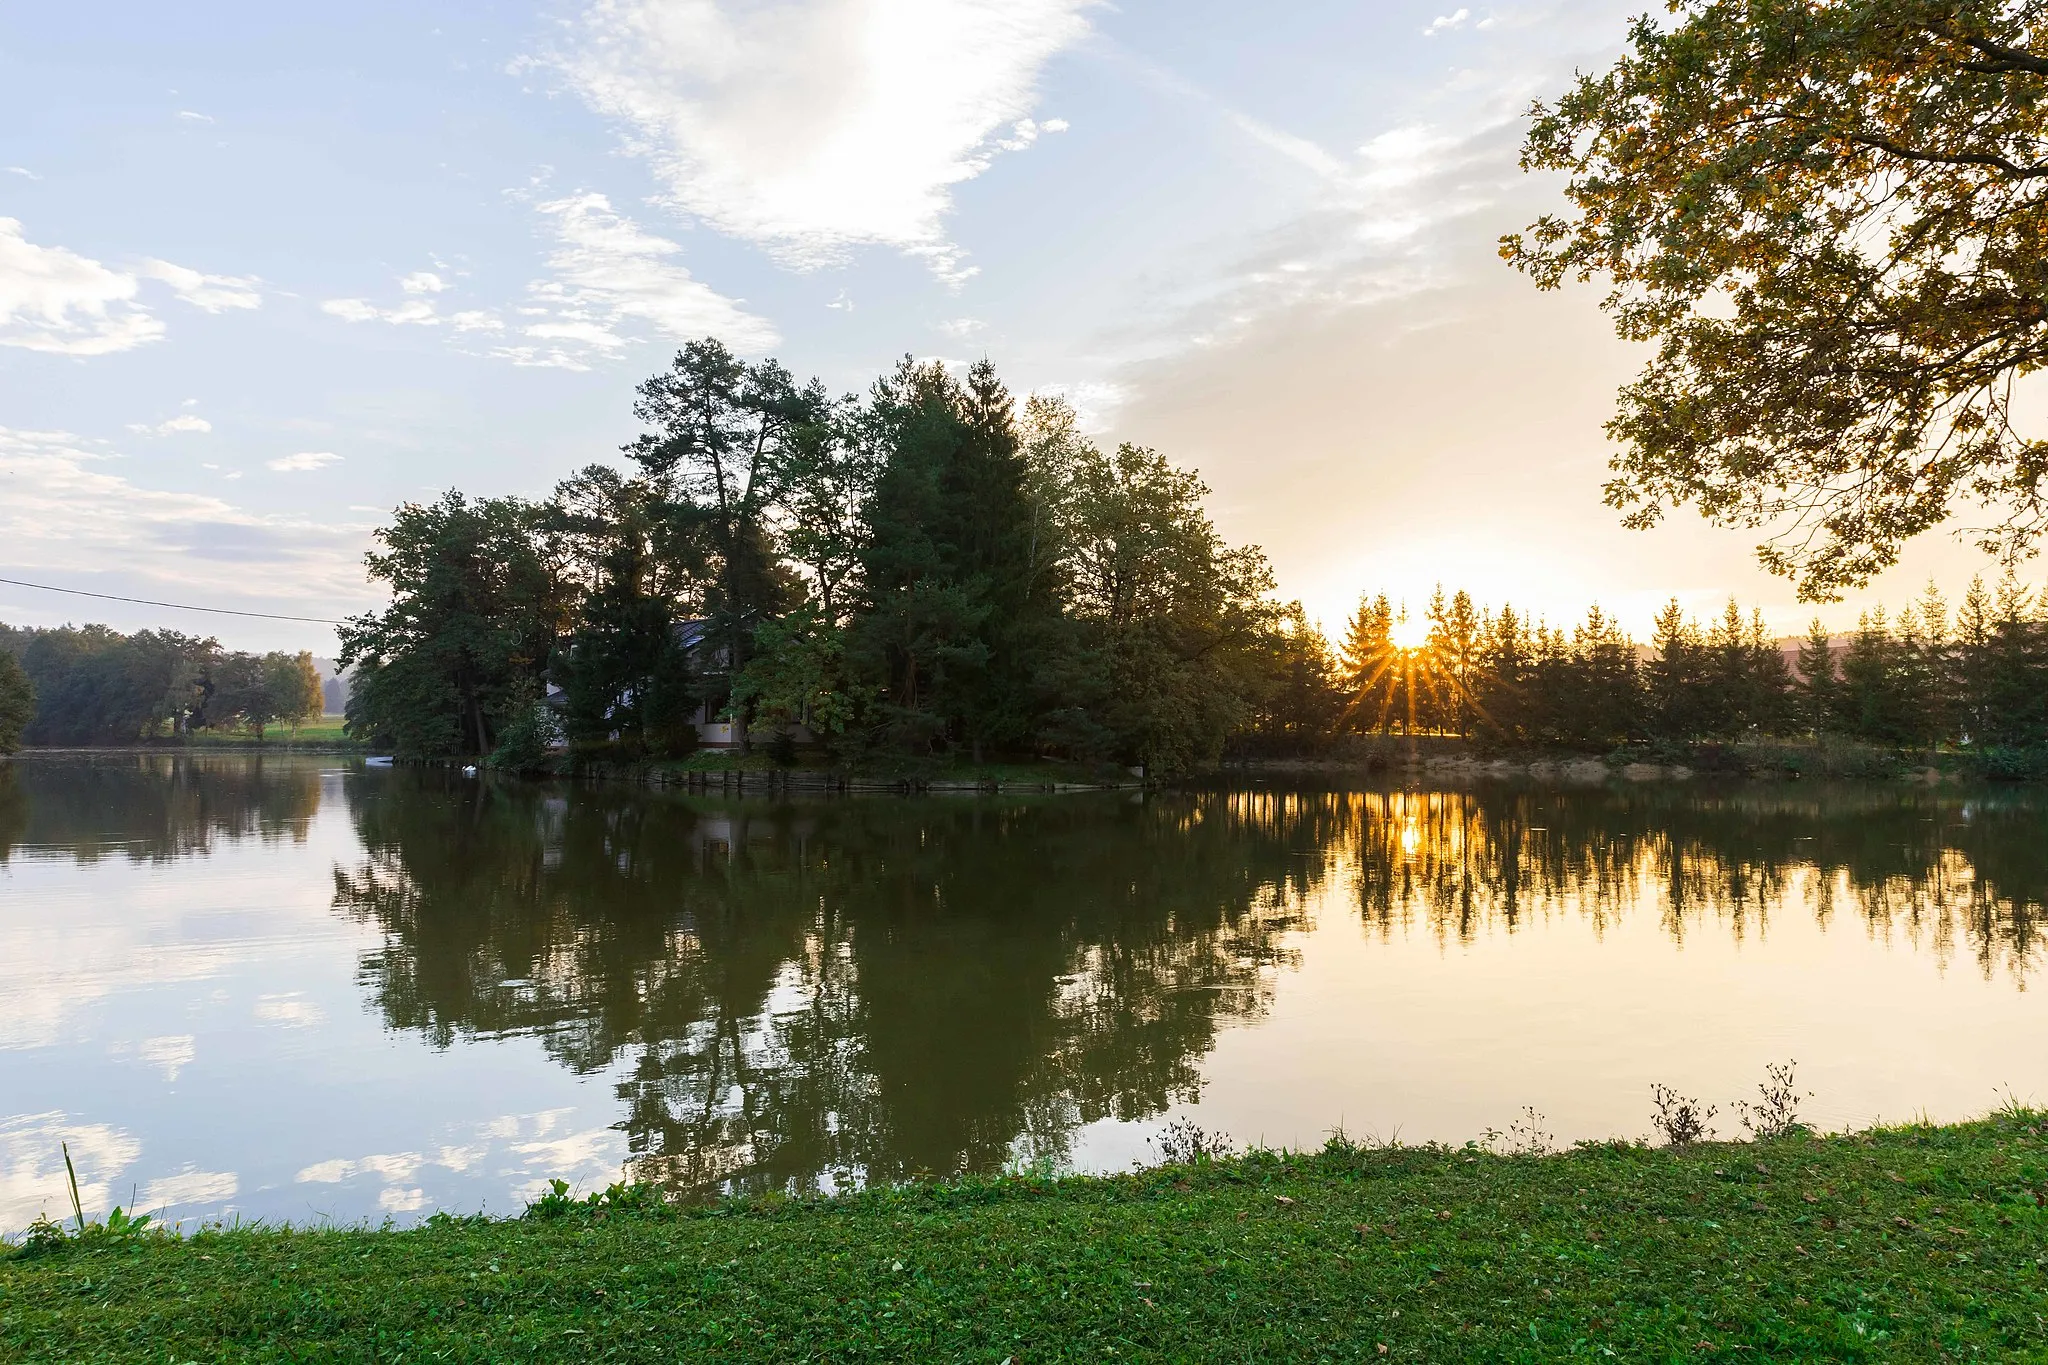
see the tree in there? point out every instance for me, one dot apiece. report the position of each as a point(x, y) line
point(955, 616)
point(1674, 677)
point(17, 702)
point(828, 475)
point(624, 667)
point(96, 686)
point(1820, 687)
point(473, 619)
point(1456, 637)
point(727, 437)
point(1370, 665)
point(1177, 626)
point(1828, 218)
point(291, 685)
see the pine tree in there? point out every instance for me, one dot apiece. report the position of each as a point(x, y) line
point(1819, 703)
point(1369, 667)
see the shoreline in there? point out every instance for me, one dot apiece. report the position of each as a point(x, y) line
point(1901, 1243)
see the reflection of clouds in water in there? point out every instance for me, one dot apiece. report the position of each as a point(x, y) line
point(49, 980)
point(391, 1166)
point(524, 1151)
point(189, 1187)
point(32, 1179)
point(459, 1159)
point(291, 1009)
point(170, 1054)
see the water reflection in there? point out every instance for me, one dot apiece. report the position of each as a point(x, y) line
point(1946, 873)
point(798, 995)
point(151, 808)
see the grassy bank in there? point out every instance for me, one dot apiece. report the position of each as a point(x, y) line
point(1918, 1244)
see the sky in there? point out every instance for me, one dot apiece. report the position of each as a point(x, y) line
point(268, 271)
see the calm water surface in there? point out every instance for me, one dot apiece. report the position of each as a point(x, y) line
point(301, 989)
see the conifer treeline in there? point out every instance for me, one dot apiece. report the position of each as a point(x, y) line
point(1974, 676)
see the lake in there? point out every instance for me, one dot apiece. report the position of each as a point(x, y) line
point(300, 989)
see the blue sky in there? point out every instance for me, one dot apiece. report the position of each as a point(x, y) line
point(266, 271)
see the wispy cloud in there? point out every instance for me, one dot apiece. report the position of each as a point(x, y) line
point(193, 116)
point(55, 300)
point(22, 171)
point(213, 293)
point(184, 421)
point(64, 508)
point(303, 462)
point(816, 127)
point(413, 312)
point(608, 277)
point(58, 301)
point(422, 282)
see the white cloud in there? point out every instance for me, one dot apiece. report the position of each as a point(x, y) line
point(190, 1187)
point(822, 125)
point(192, 117)
point(22, 171)
point(214, 293)
point(961, 328)
point(477, 320)
point(1444, 23)
point(842, 303)
point(57, 301)
point(607, 273)
point(423, 282)
point(184, 421)
point(413, 312)
point(304, 461)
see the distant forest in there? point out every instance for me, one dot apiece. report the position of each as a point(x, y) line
point(90, 685)
point(933, 572)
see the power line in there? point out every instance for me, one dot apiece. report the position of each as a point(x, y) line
point(175, 606)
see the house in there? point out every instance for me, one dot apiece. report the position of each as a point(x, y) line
point(714, 731)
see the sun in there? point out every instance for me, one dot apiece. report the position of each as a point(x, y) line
point(1411, 633)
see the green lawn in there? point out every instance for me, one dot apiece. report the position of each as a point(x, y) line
point(324, 731)
point(1915, 1244)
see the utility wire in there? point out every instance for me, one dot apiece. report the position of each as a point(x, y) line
point(175, 606)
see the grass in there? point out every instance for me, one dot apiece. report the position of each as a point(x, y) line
point(325, 730)
point(1920, 1243)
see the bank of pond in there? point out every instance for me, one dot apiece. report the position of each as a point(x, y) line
point(1915, 1243)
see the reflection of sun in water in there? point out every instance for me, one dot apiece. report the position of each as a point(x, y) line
point(1411, 838)
point(1411, 633)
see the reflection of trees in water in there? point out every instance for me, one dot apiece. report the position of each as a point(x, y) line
point(837, 989)
point(153, 807)
point(1938, 868)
